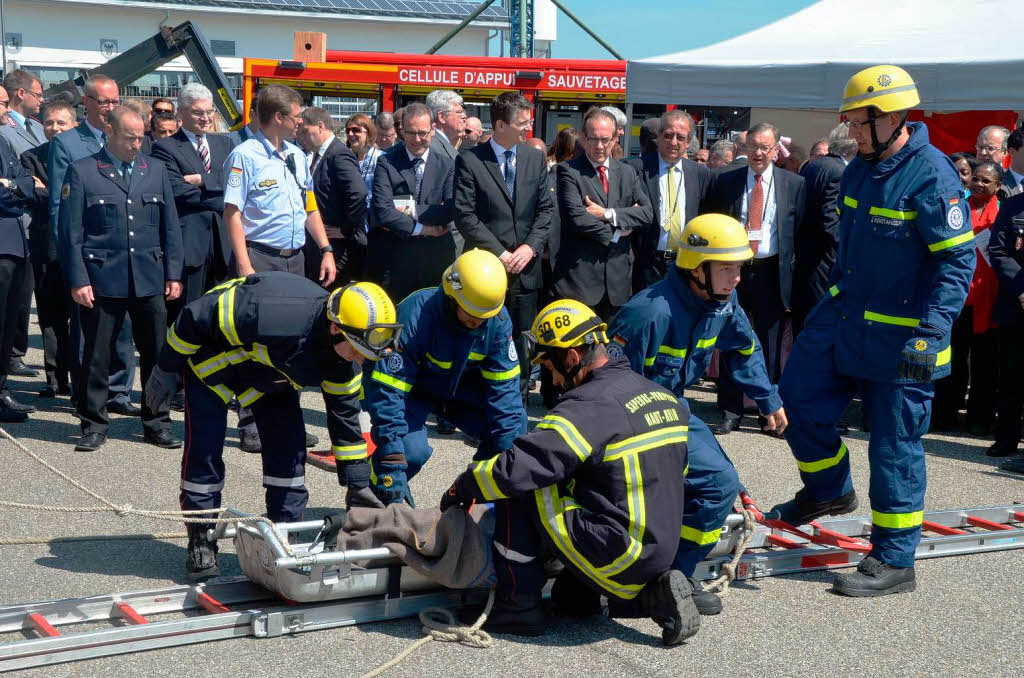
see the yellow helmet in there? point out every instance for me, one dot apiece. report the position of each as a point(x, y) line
point(477, 282)
point(564, 324)
point(888, 88)
point(366, 316)
point(713, 237)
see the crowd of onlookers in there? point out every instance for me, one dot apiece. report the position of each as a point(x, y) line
point(386, 186)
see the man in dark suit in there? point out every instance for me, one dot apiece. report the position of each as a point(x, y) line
point(503, 205)
point(120, 249)
point(676, 187)
point(739, 156)
point(770, 202)
point(1013, 177)
point(817, 241)
point(410, 244)
point(52, 300)
point(448, 114)
point(340, 193)
point(101, 96)
point(194, 159)
point(600, 201)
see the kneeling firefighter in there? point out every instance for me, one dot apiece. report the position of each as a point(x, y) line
point(261, 339)
point(597, 484)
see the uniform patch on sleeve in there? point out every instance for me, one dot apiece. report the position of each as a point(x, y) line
point(614, 349)
point(235, 177)
point(395, 363)
point(920, 345)
point(65, 191)
point(955, 216)
point(513, 356)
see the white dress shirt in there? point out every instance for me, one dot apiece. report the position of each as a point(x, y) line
point(665, 209)
point(418, 228)
point(769, 234)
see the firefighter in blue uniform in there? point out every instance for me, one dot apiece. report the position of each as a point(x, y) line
point(904, 267)
point(669, 332)
point(456, 357)
point(598, 484)
point(261, 339)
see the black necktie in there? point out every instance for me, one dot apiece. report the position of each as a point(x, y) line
point(417, 167)
point(126, 172)
point(510, 172)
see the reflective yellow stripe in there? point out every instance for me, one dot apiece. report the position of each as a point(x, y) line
point(570, 434)
point(707, 343)
point(226, 317)
point(500, 376)
point(227, 284)
point(637, 508)
point(897, 521)
point(483, 472)
point(951, 242)
point(552, 509)
point(686, 471)
point(223, 391)
point(348, 388)
point(444, 365)
point(943, 356)
point(749, 351)
point(649, 361)
point(219, 362)
point(850, 202)
point(179, 344)
point(261, 354)
point(891, 319)
point(822, 464)
point(699, 538)
point(834, 290)
point(249, 396)
point(667, 350)
point(892, 214)
point(391, 381)
point(646, 441)
point(476, 356)
point(354, 452)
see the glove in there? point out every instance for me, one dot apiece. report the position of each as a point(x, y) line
point(451, 498)
point(354, 474)
point(362, 497)
point(917, 362)
point(160, 386)
point(392, 486)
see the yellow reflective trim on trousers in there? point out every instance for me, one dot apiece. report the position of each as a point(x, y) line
point(637, 508)
point(897, 521)
point(444, 365)
point(850, 202)
point(179, 344)
point(951, 242)
point(892, 214)
point(219, 362)
point(500, 376)
point(349, 387)
point(749, 351)
point(891, 319)
point(226, 317)
point(666, 350)
point(249, 396)
point(223, 391)
point(707, 343)
point(552, 510)
point(698, 537)
point(822, 464)
point(483, 473)
point(645, 441)
point(834, 290)
point(355, 452)
point(570, 434)
point(943, 356)
point(476, 356)
point(403, 386)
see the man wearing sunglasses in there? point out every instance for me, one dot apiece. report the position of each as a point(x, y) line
point(261, 339)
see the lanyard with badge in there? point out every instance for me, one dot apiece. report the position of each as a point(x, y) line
point(758, 234)
point(667, 216)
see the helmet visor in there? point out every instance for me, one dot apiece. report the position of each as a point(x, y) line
point(373, 341)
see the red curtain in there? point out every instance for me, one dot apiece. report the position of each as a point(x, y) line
point(952, 132)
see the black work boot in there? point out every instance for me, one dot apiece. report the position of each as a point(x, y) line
point(875, 578)
point(202, 554)
point(515, 615)
point(668, 601)
point(803, 508)
point(707, 603)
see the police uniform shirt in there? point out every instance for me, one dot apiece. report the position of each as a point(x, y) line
point(769, 246)
point(667, 208)
point(271, 198)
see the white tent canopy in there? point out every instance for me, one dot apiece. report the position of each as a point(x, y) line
point(805, 59)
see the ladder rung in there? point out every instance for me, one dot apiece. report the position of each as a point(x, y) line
point(211, 604)
point(41, 626)
point(130, 615)
point(941, 529)
point(987, 524)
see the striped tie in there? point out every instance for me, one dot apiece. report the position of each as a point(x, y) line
point(204, 152)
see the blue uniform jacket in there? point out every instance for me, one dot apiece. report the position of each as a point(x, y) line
point(669, 335)
point(906, 257)
point(14, 202)
point(123, 240)
point(437, 356)
point(66, 148)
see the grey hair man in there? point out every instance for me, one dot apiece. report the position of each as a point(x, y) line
point(620, 128)
point(449, 119)
point(991, 144)
point(840, 142)
point(722, 152)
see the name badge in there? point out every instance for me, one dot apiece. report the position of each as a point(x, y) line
point(755, 236)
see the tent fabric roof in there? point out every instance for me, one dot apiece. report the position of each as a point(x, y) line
point(804, 60)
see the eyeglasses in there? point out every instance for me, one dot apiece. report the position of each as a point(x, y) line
point(856, 126)
point(989, 149)
point(601, 141)
point(37, 95)
point(356, 130)
point(104, 102)
point(765, 150)
point(415, 135)
point(197, 113)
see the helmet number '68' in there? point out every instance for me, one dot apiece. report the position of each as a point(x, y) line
point(559, 322)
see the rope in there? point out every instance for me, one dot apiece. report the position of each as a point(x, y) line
point(720, 585)
point(123, 510)
point(21, 541)
point(439, 624)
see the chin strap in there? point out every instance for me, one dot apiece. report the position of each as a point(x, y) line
point(880, 147)
point(705, 285)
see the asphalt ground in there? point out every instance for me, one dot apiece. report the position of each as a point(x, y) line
point(963, 619)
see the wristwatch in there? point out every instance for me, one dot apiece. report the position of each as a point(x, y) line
point(607, 215)
point(325, 249)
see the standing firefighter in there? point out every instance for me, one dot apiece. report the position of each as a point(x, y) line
point(598, 484)
point(905, 262)
point(261, 339)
